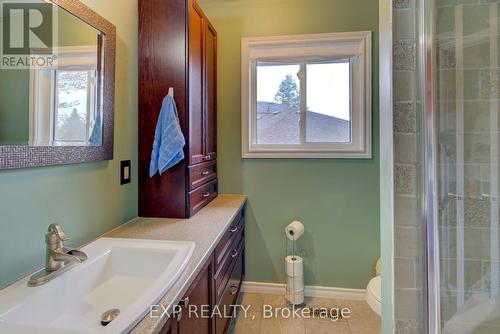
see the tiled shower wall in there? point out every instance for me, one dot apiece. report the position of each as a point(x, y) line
point(409, 231)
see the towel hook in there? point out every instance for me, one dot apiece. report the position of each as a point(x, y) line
point(171, 91)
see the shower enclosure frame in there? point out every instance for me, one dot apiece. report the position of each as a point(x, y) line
point(427, 53)
point(386, 164)
point(426, 56)
point(426, 46)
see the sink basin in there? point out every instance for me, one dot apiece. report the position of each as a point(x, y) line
point(124, 274)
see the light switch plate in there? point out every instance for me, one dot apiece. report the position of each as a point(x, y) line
point(125, 171)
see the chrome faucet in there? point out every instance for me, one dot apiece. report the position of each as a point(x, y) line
point(58, 258)
point(57, 255)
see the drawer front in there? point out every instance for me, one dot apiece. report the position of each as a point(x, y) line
point(201, 174)
point(224, 246)
point(230, 294)
point(202, 196)
point(224, 274)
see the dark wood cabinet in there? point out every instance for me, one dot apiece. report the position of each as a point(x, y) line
point(171, 327)
point(178, 49)
point(198, 297)
point(230, 294)
point(217, 286)
point(210, 92)
point(196, 84)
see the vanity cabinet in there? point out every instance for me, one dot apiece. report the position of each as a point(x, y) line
point(216, 287)
point(178, 49)
point(171, 327)
point(199, 295)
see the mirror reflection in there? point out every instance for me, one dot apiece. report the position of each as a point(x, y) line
point(58, 105)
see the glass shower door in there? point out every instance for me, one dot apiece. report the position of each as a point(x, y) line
point(467, 104)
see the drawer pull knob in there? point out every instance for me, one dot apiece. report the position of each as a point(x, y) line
point(177, 313)
point(184, 302)
point(233, 229)
point(233, 289)
point(205, 173)
point(207, 157)
point(206, 195)
point(234, 253)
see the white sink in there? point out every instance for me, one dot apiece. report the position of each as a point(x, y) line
point(125, 274)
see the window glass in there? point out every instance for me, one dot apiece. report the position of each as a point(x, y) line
point(278, 104)
point(72, 114)
point(328, 113)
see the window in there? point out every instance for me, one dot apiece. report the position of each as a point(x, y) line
point(307, 96)
point(63, 106)
point(74, 101)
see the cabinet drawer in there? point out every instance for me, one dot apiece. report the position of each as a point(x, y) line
point(224, 246)
point(224, 274)
point(202, 196)
point(201, 174)
point(230, 294)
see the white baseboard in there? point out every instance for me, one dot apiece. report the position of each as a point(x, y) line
point(309, 290)
point(261, 287)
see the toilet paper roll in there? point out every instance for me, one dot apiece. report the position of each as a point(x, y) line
point(294, 230)
point(294, 284)
point(295, 298)
point(295, 289)
point(294, 265)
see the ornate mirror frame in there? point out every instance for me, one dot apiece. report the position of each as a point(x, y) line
point(12, 157)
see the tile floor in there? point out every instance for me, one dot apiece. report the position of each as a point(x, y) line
point(362, 320)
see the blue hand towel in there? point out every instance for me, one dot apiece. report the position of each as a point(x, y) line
point(169, 140)
point(96, 135)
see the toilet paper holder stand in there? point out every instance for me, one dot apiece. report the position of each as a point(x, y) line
point(295, 291)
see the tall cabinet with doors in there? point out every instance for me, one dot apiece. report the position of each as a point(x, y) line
point(178, 49)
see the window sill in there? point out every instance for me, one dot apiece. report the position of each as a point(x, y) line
point(306, 155)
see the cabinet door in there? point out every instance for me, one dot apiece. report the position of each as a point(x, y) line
point(210, 92)
point(200, 297)
point(171, 327)
point(196, 84)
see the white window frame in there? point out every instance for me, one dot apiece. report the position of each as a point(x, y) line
point(355, 46)
point(42, 99)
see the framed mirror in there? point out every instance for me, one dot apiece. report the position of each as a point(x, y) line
point(57, 79)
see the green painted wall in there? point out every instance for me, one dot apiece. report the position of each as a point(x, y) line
point(14, 107)
point(337, 200)
point(85, 199)
point(74, 32)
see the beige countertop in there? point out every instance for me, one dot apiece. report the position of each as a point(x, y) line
point(205, 229)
